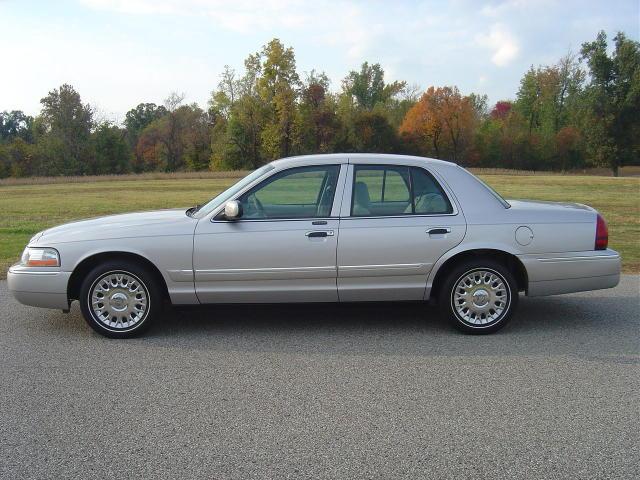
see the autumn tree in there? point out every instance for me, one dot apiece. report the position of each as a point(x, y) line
point(177, 140)
point(278, 89)
point(373, 133)
point(317, 124)
point(138, 118)
point(441, 122)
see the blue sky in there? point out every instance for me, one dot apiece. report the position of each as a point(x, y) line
point(118, 53)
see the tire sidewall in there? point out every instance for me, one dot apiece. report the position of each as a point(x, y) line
point(145, 278)
point(446, 296)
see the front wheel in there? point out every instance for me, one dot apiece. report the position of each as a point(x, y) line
point(479, 296)
point(119, 299)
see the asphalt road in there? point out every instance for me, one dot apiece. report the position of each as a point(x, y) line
point(354, 391)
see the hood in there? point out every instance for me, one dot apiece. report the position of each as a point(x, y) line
point(141, 224)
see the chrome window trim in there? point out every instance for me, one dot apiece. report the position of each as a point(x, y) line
point(306, 219)
point(335, 207)
point(408, 215)
point(348, 194)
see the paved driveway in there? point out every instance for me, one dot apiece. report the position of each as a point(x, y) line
point(355, 391)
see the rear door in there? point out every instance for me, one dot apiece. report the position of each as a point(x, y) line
point(396, 221)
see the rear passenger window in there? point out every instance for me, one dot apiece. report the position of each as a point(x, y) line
point(381, 190)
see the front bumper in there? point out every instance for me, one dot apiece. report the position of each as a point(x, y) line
point(39, 287)
point(568, 272)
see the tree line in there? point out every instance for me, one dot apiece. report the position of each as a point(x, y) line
point(582, 111)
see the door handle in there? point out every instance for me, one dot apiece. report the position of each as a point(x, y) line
point(321, 234)
point(439, 231)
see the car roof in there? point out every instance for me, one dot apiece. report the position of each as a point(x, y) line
point(337, 158)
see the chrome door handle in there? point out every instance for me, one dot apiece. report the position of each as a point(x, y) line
point(324, 233)
point(439, 231)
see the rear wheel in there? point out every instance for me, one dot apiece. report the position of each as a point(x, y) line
point(120, 299)
point(479, 296)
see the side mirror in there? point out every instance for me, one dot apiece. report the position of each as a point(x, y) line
point(233, 210)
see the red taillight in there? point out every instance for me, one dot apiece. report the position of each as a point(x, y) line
point(602, 234)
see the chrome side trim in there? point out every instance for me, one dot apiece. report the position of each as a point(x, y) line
point(266, 270)
point(181, 275)
point(277, 273)
point(388, 270)
point(391, 266)
point(589, 258)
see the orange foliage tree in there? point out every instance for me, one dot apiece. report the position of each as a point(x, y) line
point(441, 123)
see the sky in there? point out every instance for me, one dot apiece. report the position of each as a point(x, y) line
point(118, 53)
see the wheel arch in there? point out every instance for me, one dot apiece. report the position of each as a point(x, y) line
point(90, 262)
point(508, 259)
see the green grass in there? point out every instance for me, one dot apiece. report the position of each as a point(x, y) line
point(27, 209)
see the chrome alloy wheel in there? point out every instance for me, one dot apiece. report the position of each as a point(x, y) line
point(119, 300)
point(480, 297)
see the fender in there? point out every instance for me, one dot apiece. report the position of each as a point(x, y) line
point(461, 248)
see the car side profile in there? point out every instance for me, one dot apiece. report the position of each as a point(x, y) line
point(324, 228)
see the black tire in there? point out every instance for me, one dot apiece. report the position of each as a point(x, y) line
point(504, 289)
point(133, 276)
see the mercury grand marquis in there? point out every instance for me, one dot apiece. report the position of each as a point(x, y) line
point(324, 228)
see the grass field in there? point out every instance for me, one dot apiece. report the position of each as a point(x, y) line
point(28, 208)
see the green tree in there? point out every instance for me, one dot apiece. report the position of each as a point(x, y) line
point(67, 124)
point(138, 118)
point(238, 116)
point(111, 149)
point(368, 87)
point(15, 124)
point(613, 101)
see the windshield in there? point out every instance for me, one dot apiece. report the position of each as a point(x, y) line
point(231, 191)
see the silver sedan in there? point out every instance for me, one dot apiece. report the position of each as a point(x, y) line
point(324, 228)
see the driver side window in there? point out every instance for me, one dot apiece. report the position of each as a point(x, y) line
point(305, 192)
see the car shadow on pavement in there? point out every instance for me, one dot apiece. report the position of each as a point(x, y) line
point(596, 324)
point(563, 324)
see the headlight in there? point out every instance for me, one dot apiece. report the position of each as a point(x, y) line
point(40, 257)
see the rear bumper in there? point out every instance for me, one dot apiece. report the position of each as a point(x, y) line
point(38, 287)
point(552, 274)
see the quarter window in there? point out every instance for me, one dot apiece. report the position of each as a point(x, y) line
point(380, 190)
point(305, 192)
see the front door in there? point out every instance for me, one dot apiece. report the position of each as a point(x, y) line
point(282, 248)
point(399, 223)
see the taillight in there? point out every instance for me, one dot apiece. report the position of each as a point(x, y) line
point(602, 234)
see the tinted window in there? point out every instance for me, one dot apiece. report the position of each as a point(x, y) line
point(381, 190)
point(305, 192)
point(428, 196)
point(390, 190)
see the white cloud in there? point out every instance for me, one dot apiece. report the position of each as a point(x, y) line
point(334, 23)
point(502, 42)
